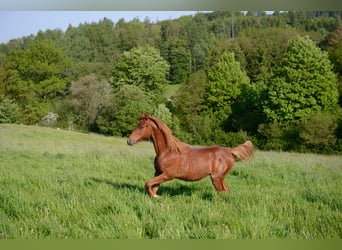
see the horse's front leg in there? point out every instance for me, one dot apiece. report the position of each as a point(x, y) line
point(152, 185)
point(156, 186)
point(156, 173)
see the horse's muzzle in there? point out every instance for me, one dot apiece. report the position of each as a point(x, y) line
point(130, 142)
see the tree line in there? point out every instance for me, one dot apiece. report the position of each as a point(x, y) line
point(214, 78)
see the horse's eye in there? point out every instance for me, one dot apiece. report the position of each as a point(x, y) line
point(141, 127)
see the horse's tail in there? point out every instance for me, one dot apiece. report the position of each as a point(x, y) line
point(243, 151)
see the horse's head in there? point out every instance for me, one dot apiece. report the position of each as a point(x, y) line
point(142, 131)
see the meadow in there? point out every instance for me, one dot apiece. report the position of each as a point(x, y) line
point(57, 184)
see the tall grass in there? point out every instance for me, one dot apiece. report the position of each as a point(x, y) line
point(61, 184)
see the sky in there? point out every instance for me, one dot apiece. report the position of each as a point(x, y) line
point(16, 24)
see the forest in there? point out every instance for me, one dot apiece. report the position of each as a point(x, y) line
point(219, 77)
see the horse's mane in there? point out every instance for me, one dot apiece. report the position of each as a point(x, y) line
point(172, 143)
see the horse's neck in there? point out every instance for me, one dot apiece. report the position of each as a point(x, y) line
point(159, 142)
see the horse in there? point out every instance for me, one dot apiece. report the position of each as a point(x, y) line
point(178, 160)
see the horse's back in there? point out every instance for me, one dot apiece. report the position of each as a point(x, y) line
point(211, 151)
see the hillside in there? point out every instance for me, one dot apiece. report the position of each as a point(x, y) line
point(217, 77)
point(60, 184)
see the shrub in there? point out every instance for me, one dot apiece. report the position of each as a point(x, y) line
point(164, 114)
point(50, 119)
point(272, 135)
point(318, 132)
point(9, 111)
point(122, 113)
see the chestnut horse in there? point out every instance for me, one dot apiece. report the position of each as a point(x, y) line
point(176, 159)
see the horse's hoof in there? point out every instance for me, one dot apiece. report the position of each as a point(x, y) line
point(156, 196)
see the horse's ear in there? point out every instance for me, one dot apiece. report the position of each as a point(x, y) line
point(144, 116)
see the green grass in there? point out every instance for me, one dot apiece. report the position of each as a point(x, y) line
point(60, 184)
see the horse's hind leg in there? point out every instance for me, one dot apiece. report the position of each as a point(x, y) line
point(218, 180)
point(218, 176)
point(219, 184)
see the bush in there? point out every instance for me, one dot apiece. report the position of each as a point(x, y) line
point(50, 119)
point(318, 132)
point(9, 111)
point(164, 114)
point(275, 136)
point(272, 135)
point(122, 113)
point(88, 98)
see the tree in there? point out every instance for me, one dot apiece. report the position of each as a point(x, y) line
point(142, 67)
point(92, 47)
point(9, 111)
point(199, 53)
point(3, 72)
point(189, 99)
point(247, 111)
point(198, 41)
point(333, 44)
point(130, 34)
point(36, 76)
point(179, 58)
point(319, 131)
point(40, 69)
point(303, 84)
point(225, 80)
point(164, 114)
point(125, 106)
point(264, 50)
point(220, 46)
point(89, 97)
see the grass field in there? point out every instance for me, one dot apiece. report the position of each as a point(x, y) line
point(61, 184)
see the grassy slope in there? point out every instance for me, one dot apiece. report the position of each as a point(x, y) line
point(61, 184)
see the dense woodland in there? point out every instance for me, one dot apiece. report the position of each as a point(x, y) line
point(214, 78)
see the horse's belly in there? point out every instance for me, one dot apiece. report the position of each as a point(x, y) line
point(189, 167)
point(193, 171)
point(202, 162)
